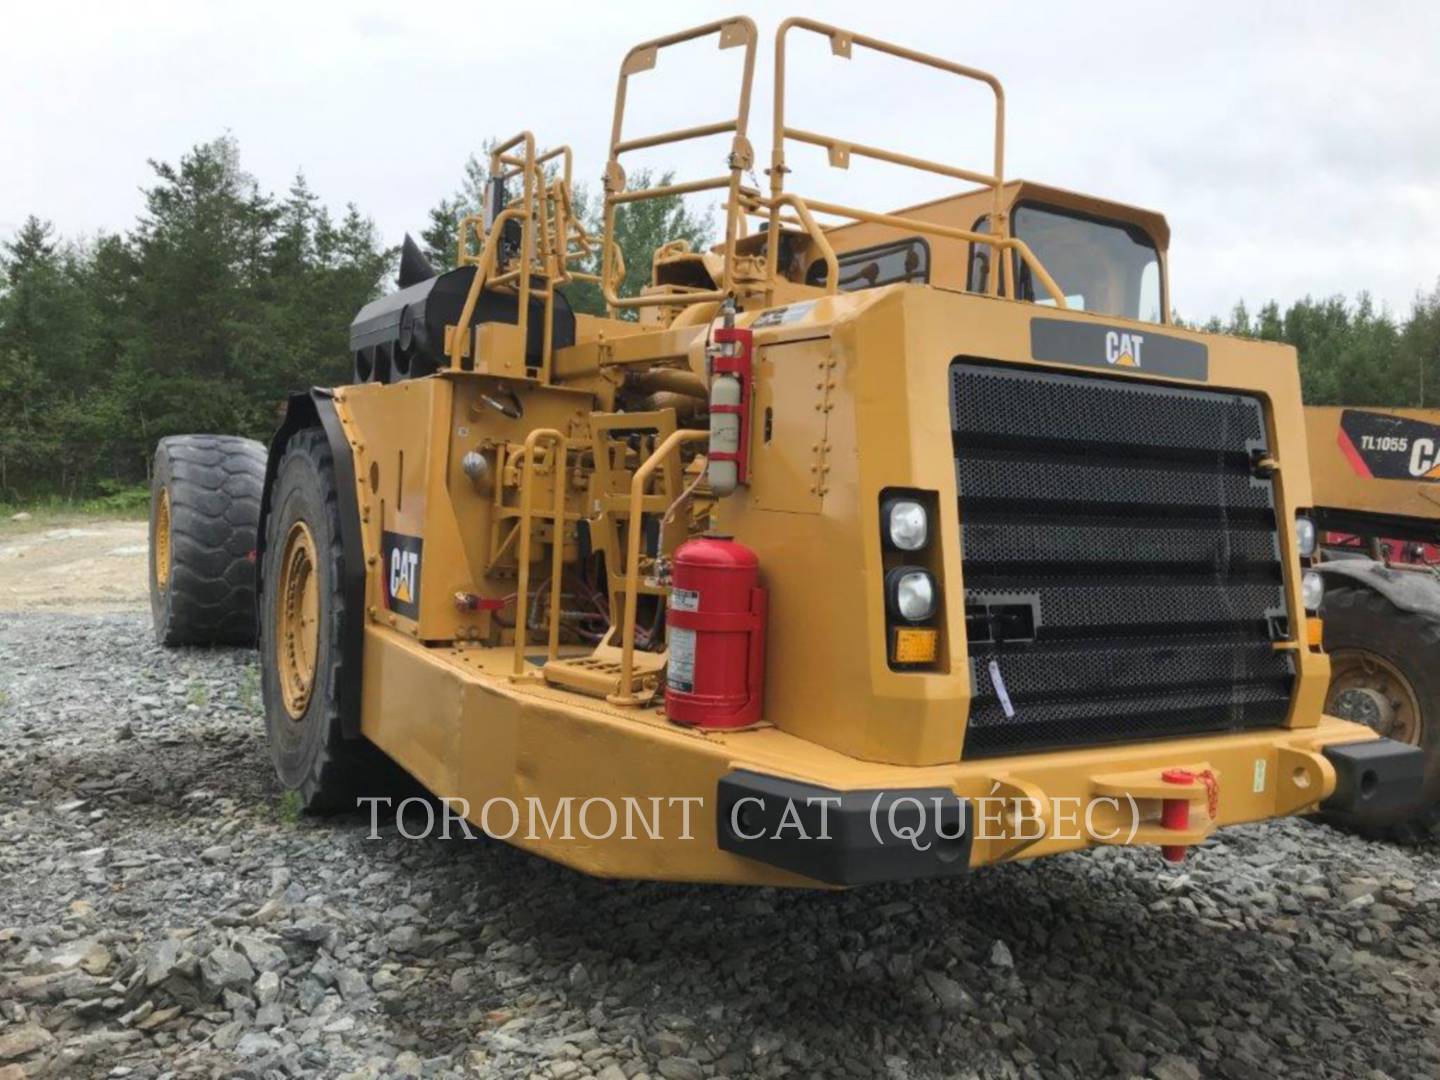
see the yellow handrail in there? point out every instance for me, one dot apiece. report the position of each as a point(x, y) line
point(626, 694)
point(557, 544)
point(802, 209)
point(548, 225)
point(817, 236)
point(736, 31)
point(483, 272)
point(841, 44)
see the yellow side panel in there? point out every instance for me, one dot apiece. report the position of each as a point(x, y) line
point(786, 445)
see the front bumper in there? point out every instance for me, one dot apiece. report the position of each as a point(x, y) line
point(857, 837)
point(471, 734)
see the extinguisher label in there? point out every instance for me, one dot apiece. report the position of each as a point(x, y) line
point(684, 600)
point(680, 667)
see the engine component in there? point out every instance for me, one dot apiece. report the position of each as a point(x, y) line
point(402, 335)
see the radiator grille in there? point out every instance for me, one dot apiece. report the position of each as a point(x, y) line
point(1122, 568)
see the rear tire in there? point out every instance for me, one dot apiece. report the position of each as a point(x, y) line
point(1385, 671)
point(204, 508)
point(302, 613)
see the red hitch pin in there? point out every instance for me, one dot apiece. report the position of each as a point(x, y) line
point(1175, 813)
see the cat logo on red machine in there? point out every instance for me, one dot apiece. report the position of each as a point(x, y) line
point(1383, 446)
point(401, 576)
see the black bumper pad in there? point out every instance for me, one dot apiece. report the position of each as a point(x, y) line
point(844, 837)
point(1377, 776)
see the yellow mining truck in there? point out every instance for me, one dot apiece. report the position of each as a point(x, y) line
point(1376, 477)
point(881, 548)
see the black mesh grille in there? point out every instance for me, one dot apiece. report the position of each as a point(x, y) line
point(1121, 563)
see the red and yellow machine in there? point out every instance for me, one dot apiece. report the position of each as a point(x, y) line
point(1376, 477)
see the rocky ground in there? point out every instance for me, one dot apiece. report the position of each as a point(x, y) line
point(163, 912)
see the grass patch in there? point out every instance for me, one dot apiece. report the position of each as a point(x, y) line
point(197, 695)
point(127, 503)
point(250, 689)
point(289, 809)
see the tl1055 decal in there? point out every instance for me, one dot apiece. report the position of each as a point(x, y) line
point(1387, 447)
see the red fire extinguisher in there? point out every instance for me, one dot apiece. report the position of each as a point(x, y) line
point(715, 630)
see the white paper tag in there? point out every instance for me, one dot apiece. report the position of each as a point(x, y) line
point(684, 600)
point(1004, 695)
point(680, 666)
point(1259, 784)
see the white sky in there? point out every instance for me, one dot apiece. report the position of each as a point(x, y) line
point(1294, 147)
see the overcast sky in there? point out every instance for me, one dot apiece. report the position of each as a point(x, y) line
point(1294, 147)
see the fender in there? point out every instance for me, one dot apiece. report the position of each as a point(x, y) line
point(316, 408)
point(1415, 591)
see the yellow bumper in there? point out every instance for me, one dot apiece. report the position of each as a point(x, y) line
point(623, 793)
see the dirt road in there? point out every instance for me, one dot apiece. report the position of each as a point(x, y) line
point(73, 564)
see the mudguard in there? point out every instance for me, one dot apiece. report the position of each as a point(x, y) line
point(316, 408)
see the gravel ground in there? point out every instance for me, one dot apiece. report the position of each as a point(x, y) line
point(162, 914)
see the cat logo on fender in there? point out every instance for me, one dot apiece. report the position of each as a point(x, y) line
point(401, 576)
point(1123, 350)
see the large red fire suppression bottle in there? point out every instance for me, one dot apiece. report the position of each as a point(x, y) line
point(715, 629)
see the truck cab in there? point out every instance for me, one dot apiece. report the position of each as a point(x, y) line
point(1110, 257)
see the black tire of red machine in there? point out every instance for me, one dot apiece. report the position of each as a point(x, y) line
point(1358, 618)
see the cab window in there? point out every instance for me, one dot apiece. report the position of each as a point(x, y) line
point(884, 264)
point(1109, 267)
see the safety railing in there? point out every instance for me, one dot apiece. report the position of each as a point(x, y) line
point(805, 221)
point(842, 44)
point(552, 241)
point(733, 33)
point(460, 342)
point(626, 692)
point(559, 450)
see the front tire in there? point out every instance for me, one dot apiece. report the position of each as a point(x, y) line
point(302, 615)
point(1384, 673)
point(204, 510)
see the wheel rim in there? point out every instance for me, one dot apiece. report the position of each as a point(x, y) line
point(298, 619)
point(162, 541)
point(1370, 690)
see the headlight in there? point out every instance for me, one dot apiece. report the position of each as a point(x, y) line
point(907, 526)
point(1305, 536)
point(1312, 590)
point(912, 594)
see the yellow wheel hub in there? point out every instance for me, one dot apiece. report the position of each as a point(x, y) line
point(162, 541)
point(297, 619)
point(1368, 689)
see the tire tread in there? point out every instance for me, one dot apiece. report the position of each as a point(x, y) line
point(215, 483)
